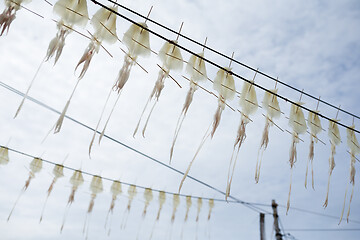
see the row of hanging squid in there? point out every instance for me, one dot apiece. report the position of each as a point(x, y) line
point(136, 39)
point(96, 187)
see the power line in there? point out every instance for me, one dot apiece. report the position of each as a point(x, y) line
point(316, 213)
point(244, 203)
point(218, 66)
point(323, 229)
point(229, 58)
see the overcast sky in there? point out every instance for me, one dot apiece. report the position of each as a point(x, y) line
point(310, 45)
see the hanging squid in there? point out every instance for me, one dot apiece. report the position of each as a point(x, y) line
point(76, 181)
point(131, 194)
point(298, 124)
point(199, 206)
point(211, 206)
point(71, 12)
point(315, 128)
point(249, 105)
point(137, 40)
point(35, 167)
point(224, 84)
point(104, 23)
point(171, 58)
point(354, 147)
point(96, 187)
point(58, 172)
point(162, 199)
point(4, 155)
point(197, 71)
point(115, 190)
point(176, 203)
point(271, 104)
point(188, 206)
point(335, 139)
point(9, 14)
point(148, 196)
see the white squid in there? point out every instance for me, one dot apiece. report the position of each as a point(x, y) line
point(249, 105)
point(354, 147)
point(137, 40)
point(171, 58)
point(148, 196)
point(197, 71)
point(104, 24)
point(96, 187)
point(224, 84)
point(71, 12)
point(115, 190)
point(76, 181)
point(335, 139)
point(9, 14)
point(188, 206)
point(58, 172)
point(298, 124)
point(35, 167)
point(162, 200)
point(315, 128)
point(131, 194)
point(271, 104)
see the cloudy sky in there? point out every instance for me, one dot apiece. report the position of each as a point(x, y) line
point(310, 45)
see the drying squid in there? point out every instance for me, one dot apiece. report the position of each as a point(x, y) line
point(354, 147)
point(224, 84)
point(197, 71)
point(96, 187)
point(271, 104)
point(131, 194)
point(148, 196)
point(249, 105)
point(104, 24)
point(115, 190)
point(188, 206)
point(76, 181)
point(162, 199)
point(199, 206)
point(4, 155)
point(176, 203)
point(58, 172)
point(137, 40)
point(298, 124)
point(35, 167)
point(171, 58)
point(335, 139)
point(211, 206)
point(9, 14)
point(315, 128)
point(71, 12)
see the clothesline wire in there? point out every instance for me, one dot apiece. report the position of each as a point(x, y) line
point(230, 72)
point(235, 200)
point(246, 204)
point(229, 58)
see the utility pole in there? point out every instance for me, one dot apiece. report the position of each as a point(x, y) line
point(278, 234)
point(262, 226)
